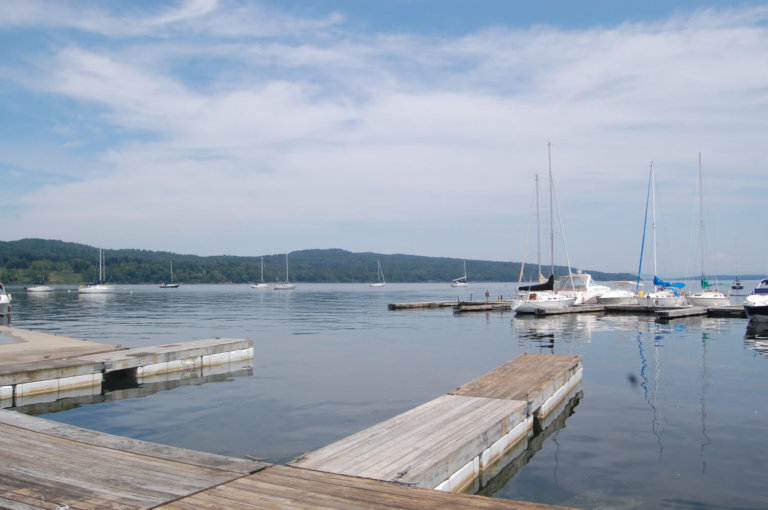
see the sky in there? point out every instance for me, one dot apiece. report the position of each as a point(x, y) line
point(404, 126)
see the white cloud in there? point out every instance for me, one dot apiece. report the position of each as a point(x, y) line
point(336, 130)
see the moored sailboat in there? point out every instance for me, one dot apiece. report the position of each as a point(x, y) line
point(709, 294)
point(665, 294)
point(99, 286)
point(461, 281)
point(379, 281)
point(286, 285)
point(260, 284)
point(171, 284)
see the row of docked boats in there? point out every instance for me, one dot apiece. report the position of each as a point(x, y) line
point(577, 289)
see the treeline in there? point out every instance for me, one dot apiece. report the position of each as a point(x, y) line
point(30, 261)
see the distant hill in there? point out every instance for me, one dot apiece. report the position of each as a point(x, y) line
point(28, 261)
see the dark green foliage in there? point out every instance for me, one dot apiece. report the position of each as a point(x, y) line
point(29, 261)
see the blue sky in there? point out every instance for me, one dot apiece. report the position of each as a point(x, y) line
point(249, 128)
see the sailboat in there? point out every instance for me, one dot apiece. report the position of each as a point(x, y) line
point(461, 281)
point(737, 285)
point(665, 293)
point(260, 284)
point(533, 298)
point(99, 286)
point(709, 294)
point(171, 284)
point(379, 281)
point(286, 285)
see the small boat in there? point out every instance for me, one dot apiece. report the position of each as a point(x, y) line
point(709, 294)
point(99, 286)
point(379, 281)
point(5, 302)
point(286, 285)
point(737, 285)
point(461, 281)
point(756, 304)
point(261, 284)
point(171, 284)
point(40, 287)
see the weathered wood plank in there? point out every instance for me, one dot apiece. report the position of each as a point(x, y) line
point(425, 445)
point(125, 444)
point(530, 377)
point(295, 488)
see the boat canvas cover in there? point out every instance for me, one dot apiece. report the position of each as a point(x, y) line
point(661, 283)
point(548, 285)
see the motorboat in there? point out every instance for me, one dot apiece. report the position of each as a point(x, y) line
point(622, 294)
point(379, 281)
point(461, 281)
point(286, 285)
point(99, 286)
point(580, 287)
point(5, 301)
point(737, 285)
point(756, 304)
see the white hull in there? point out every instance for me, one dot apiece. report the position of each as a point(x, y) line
point(377, 284)
point(537, 301)
point(458, 284)
point(169, 285)
point(756, 306)
point(709, 299)
point(40, 288)
point(663, 299)
point(96, 288)
point(261, 285)
point(284, 286)
point(617, 299)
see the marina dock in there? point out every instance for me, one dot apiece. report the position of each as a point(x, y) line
point(448, 443)
point(445, 444)
point(40, 367)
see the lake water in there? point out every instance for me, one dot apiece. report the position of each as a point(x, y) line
point(671, 415)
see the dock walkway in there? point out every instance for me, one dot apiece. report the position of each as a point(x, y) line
point(37, 366)
point(443, 444)
point(449, 442)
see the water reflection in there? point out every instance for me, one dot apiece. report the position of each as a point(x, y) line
point(756, 337)
point(494, 480)
point(126, 387)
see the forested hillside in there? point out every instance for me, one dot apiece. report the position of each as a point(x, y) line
point(29, 261)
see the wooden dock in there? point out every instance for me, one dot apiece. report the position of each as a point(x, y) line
point(37, 366)
point(449, 442)
point(48, 465)
point(661, 313)
point(482, 306)
point(422, 305)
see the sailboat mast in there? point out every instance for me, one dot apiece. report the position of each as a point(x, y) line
point(653, 222)
point(551, 215)
point(262, 269)
point(538, 227)
point(101, 261)
point(701, 218)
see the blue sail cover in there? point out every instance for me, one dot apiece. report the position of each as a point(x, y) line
point(662, 283)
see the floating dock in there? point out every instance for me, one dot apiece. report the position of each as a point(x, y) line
point(40, 367)
point(444, 444)
point(482, 306)
point(449, 443)
point(422, 305)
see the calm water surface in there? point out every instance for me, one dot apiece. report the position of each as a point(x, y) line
point(671, 415)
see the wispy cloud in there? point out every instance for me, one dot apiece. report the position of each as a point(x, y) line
point(223, 113)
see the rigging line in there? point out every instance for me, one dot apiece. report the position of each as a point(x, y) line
point(645, 228)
